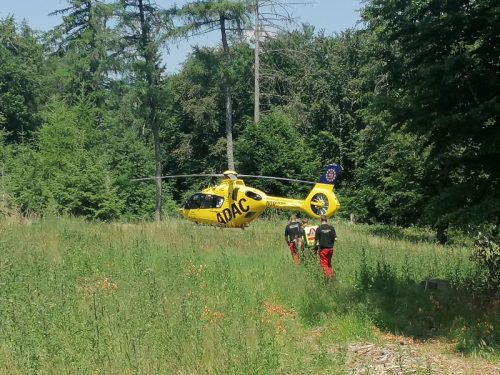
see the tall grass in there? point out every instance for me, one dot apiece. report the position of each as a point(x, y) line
point(78, 297)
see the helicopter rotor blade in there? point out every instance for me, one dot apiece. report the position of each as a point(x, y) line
point(179, 176)
point(231, 177)
point(277, 178)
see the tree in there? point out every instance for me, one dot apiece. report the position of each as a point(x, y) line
point(65, 171)
point(319, 78)
point(222, 15)
point(197, 107)
point(145, 29)
point(21, 59)
point(87, 43)
point(274, 147)
point(270, 16)
point(389, 182)
point(442, 68)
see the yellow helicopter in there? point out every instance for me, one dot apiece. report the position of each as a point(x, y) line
point(232, 204)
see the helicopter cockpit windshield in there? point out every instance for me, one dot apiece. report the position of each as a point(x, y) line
point(202, 201)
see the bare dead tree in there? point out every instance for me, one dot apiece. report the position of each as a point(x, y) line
point(271, 17)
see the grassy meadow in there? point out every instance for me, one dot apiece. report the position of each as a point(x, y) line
point(79, 297)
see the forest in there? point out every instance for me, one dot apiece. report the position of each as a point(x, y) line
point(407, 103)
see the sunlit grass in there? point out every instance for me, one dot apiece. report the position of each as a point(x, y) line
point(179, 298)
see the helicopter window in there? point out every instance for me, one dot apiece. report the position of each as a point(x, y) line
point(211, 201)
point(254, 196)
point(193, 202)
point(218, 202)
point(206, 201)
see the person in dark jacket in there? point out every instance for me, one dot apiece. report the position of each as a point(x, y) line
point(293, 237)
point(325, 239)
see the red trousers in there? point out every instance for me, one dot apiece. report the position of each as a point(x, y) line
point(325, 261)
point(293, 250)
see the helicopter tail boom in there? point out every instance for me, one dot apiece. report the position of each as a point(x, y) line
point(321, 200)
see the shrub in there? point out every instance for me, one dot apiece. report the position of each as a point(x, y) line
point(487, 255)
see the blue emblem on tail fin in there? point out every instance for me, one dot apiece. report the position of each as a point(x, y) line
point(331, 174)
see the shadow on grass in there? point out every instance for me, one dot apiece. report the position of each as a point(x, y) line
point(403, 307)
point(402, 234)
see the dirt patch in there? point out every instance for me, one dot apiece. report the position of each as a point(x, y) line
point(410, 357)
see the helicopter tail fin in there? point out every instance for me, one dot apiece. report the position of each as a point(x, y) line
point(331, 174)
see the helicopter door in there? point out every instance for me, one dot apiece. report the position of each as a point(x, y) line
point(210, 207)
point(193, 205)
point(200, 204)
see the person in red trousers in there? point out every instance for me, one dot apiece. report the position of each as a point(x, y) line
point(325, 239)
point(293, 237)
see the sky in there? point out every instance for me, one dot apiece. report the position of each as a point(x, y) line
point(328, 15)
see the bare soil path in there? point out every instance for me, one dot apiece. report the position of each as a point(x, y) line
point(400, 355)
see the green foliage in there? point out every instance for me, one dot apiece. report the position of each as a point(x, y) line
point(127, 158)
point(225, 16)
point(389, 182)
point(487, 255)
point(275, 147)
point(206, 16)
point(21, 57)
point(197, 143)
point(442, 85)
point(69, 170)
point(196, 129)
point(145, 28)
point(24, 180)
point(319, 79)
point(83, 43)
point(75, 172)
point(2, 144)
point(406, 105)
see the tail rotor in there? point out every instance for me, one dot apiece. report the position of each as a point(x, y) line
point(319, 204)
point(322, 199)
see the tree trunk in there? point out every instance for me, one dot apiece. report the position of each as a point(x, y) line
point(256, 111)
point(158, 171)
point(228, 94)
point(152, 82)
point(442, 234)
point(229, 127)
